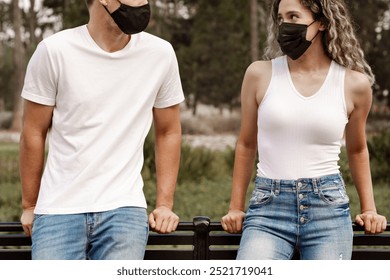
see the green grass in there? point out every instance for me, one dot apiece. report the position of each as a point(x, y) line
point(10, 202)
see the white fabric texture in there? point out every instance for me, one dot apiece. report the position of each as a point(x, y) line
point(301, 137)
point(102, 113)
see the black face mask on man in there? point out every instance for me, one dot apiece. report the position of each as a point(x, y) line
point(131, 20)
point(292, 39)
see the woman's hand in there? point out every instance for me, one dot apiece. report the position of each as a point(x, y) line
point(373, 222)
point(232, 221)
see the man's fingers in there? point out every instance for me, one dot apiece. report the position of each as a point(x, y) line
point(152, 222)
point(164, 221)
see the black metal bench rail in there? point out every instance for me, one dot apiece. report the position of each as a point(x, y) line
point(198, 240)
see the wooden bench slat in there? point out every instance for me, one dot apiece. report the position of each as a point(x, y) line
point(168, 255)
point(170, 239)
point(14, 240)
point(15, 254)
point(371, 240)
point(370, 254)
point(224, 239)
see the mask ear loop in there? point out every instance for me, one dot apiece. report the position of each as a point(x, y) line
point(316, 33)
point(105, 7)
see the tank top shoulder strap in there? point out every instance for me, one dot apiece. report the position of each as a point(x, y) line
point(279, 77)
point(279, 65)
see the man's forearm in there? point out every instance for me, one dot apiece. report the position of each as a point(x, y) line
point(167, 167)
point(31, 157)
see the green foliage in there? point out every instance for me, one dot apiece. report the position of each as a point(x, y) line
point(10, 202)
point(10, 194)
point(212, 40)
point(73, 12)
point(344, 168)
point(196, 165)
point(214, 62)
point(9, 165)
point(374, 37)
point(6, 73)
point(379, 147)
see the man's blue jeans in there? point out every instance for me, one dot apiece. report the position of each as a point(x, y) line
point(309, 215)
point(119, 234)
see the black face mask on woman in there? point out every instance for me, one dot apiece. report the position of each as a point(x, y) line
point(292, 39)
point(131, 20)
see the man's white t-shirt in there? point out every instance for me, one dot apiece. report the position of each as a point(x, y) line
point(102, 114)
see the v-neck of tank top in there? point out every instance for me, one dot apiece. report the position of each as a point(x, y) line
point(318, 91)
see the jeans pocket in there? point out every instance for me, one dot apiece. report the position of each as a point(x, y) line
point(334, 196)
point(37, 216)
point(260, 196)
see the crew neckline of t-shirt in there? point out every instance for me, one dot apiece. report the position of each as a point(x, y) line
point(99, 49)
point(297, 92)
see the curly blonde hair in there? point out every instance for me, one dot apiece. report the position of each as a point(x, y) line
point(339, 39)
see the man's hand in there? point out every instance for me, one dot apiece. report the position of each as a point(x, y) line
point(27, 220)
point(163, 220)
point(232, 221)
point(373, 222)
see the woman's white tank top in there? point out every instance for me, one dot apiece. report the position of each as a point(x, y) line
point(300, 137)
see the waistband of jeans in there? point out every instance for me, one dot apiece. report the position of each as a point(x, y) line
point(299, 183)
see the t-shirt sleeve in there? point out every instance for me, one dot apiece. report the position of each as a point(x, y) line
point(40, 84)
point(171, 91)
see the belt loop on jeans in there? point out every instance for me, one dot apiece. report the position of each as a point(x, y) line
point(277, 187)
point(315, 185)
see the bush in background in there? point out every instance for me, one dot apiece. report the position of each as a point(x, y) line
point(379, 147)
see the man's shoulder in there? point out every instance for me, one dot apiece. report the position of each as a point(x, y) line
point(154, 41)
point(63, 36)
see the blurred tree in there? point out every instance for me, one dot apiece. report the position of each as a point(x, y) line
point(214, 60)
point(71, 12)
point(19, 65)
point(215, 40)
point(5, 60)
point(372, 27)
point(32, 22)
point(254, 30)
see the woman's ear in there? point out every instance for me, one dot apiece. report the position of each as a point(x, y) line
point(323, 24)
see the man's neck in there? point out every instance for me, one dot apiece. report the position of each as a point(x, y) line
point(105, 32)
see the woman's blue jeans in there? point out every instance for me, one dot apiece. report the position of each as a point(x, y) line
point(308, 215)
point(119, 234)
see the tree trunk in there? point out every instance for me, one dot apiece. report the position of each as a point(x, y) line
point(2, 100)
point(19, 66)
point(254, 31)
point(32, 25)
